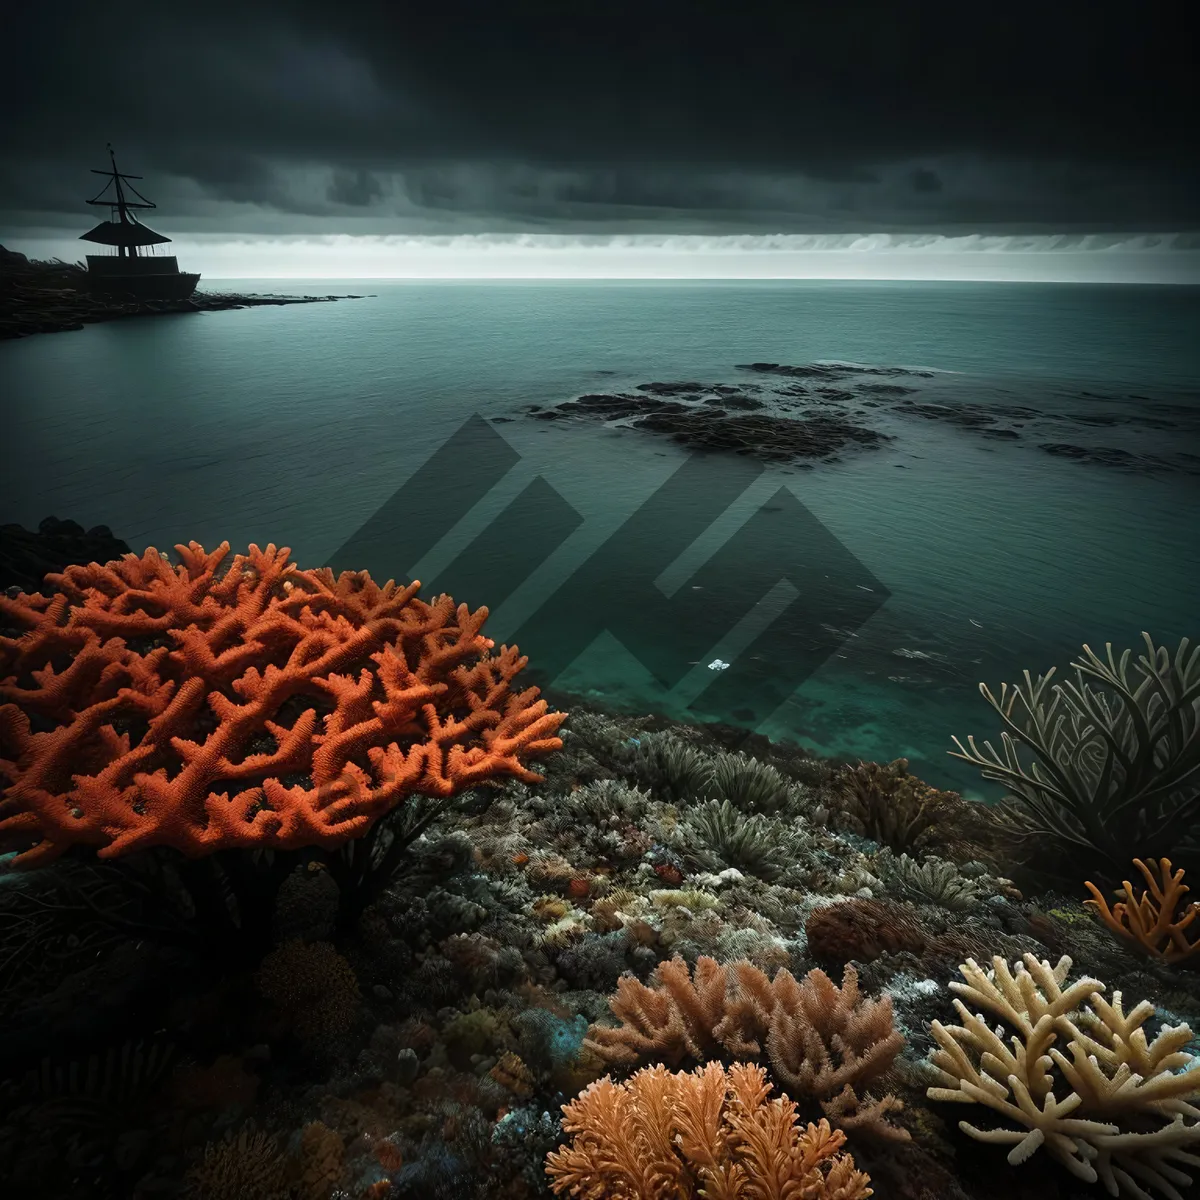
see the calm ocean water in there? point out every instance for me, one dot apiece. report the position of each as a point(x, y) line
point(296, 424)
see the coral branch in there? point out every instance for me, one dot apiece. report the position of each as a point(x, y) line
point(714, 1133)
point(1152, 923)
point(144, 704)
point(820, 1040)
point(1119, 1109)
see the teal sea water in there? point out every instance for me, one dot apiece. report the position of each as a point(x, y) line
point(296, 424)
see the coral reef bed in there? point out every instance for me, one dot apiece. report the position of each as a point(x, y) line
point(287, 914)
point(429, 1050)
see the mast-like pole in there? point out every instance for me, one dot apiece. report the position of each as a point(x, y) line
point(130, 251)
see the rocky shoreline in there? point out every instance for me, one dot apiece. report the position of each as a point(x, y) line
point(47, 297)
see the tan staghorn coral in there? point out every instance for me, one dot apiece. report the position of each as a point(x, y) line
point(1078, 1076)
point(711, 1133)
point(821, 1041)
point(672, 1022)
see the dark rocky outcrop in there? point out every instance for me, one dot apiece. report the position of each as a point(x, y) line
point(811, 412)
point(710, 426)
point(26, 558)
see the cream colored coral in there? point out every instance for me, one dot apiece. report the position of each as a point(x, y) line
point(1109, 1105)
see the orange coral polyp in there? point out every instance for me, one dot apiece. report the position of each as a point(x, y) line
point(1155, 923)
point(144, 704)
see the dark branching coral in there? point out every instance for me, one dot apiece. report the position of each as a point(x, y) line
point(720, 835)
point(900, 811)
point(863, 930)
point(748, 784)
point(821, 1041)
point(884, 803)
point(1116, 767)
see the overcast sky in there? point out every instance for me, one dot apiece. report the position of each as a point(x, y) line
point(580, 117)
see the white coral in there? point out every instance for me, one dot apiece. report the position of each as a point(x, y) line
point(1123, 1110)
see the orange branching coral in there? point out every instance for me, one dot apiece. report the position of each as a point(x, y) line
point(822, 1042)
point(1155, 923)
point(672, 1022)
point(711, 1133)
point(146, 704)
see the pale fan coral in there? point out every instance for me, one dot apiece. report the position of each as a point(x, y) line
point(1108, 1105)
point(711, 1133)
point(821, 1041)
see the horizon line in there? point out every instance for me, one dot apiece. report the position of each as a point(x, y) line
point(692, 279)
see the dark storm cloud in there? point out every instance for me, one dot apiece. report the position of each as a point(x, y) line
point(379, 117)
point(355, 188)
point(925, 180)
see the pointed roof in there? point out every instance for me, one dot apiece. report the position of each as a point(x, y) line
point(123, 233)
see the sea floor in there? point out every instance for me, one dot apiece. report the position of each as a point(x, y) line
point(426, 1048)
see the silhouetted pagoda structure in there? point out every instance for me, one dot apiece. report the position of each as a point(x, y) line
point(135, 269)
